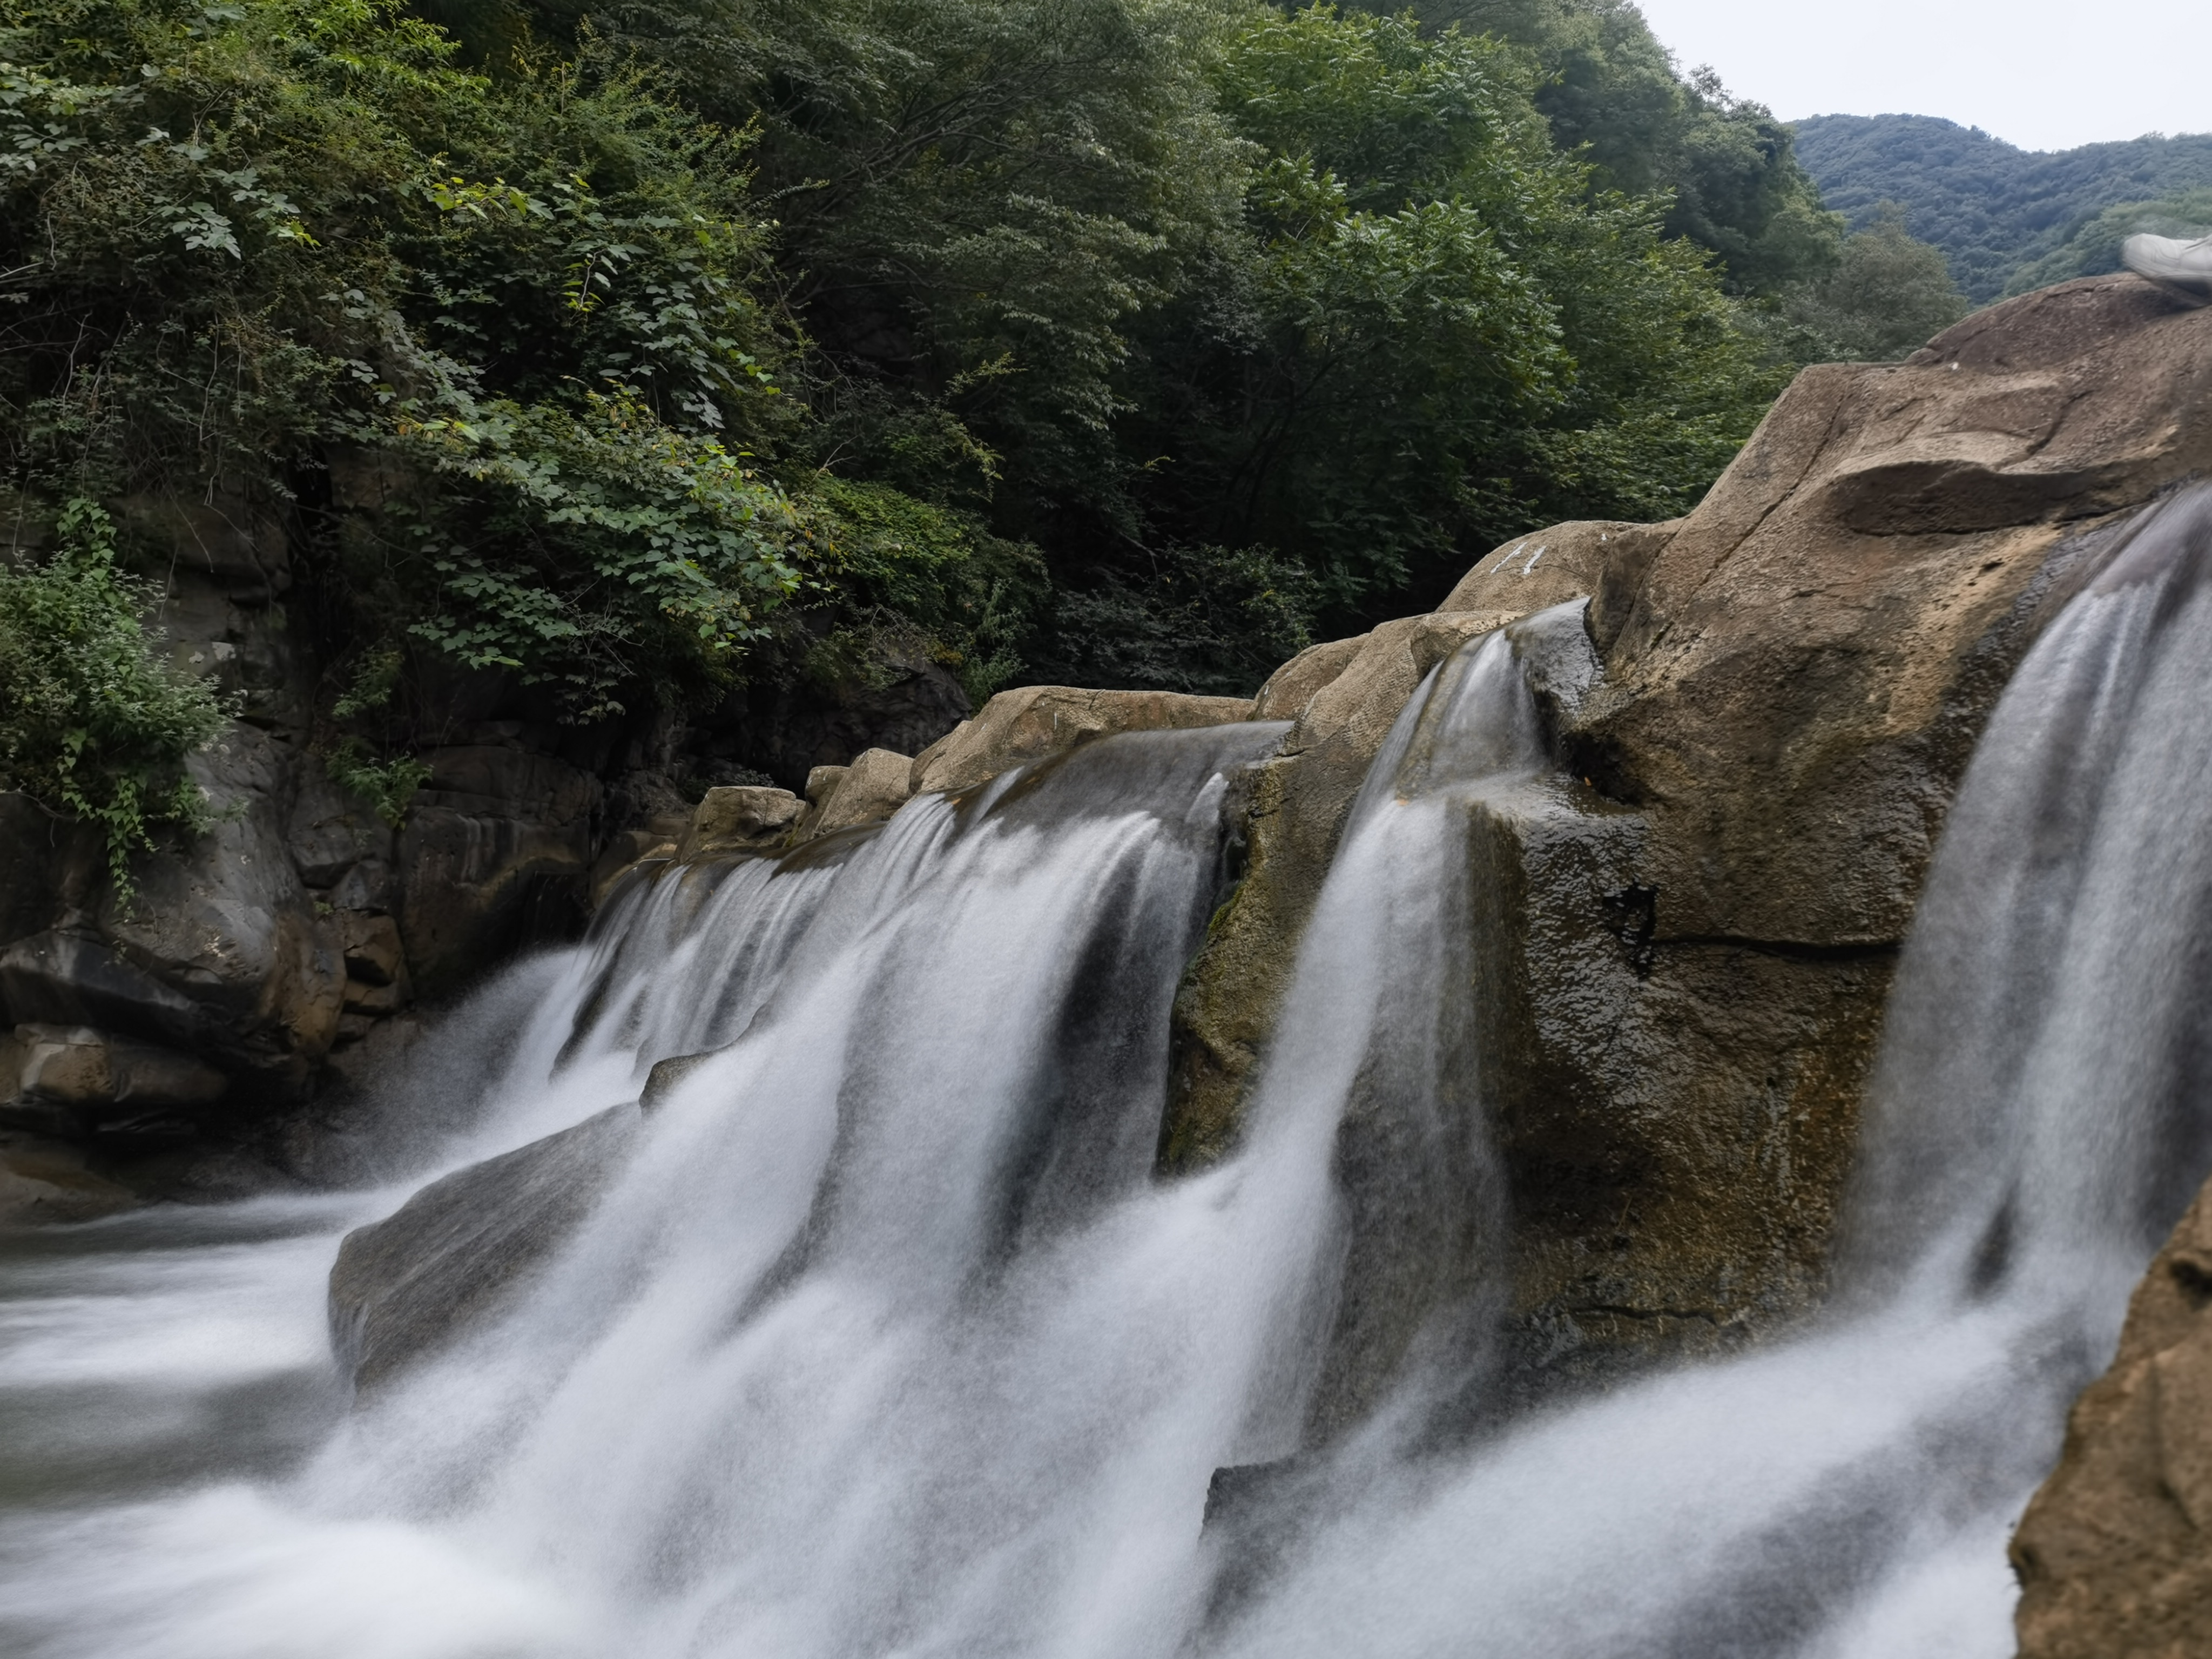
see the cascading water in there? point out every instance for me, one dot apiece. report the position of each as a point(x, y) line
point(2041, 1113)
point(884, 1338)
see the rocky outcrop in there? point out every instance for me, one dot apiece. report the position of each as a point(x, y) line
point(403, 1287)
point(1297, 803)
point(219, 954)
point(1038, 720)
point(2113, 1554)
point(499, 832)
point(1689, 934)
point(741, 818)
point(876, 785)
point(44, 1180)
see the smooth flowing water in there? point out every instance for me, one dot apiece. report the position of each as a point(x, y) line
point(886, 1338)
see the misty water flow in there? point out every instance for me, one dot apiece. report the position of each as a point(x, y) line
point(887, 1337)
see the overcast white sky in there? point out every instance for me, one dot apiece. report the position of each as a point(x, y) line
point(2041, 74)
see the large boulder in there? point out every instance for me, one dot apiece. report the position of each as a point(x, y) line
point(225, 920)
point(1038, 720)
point(404, 1287)
point(741, 818)
point(1689, 931)
point(2112, 1555)
point(876, 785)
point(1342, 696)
point(43, 1180)
point(91, 1071)
point(218, 954)
point(1794, 680)
point(1342, 699)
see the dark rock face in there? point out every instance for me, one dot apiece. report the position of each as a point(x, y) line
point(452, 1254)
point(43, 1180)
point(499, 836)
point(1297, 805)
point(286, 937)
point(40, 851)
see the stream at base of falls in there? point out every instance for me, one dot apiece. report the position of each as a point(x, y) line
point(884, 1337)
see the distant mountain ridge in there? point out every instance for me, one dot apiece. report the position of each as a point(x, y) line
point(1992, 207)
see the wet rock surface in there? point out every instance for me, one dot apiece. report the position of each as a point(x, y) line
point(45, 1180)
point(876, 785)
point(2112, 1555)
point(404, 1287)
point(497, 850)
point(741, 818)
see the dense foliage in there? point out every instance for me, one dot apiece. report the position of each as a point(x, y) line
point(696, 341)
point(243, 238)
point(1886, 296)
point(1995, 210)
point(93, 720)
point(1444, 332)
point(1611, 93)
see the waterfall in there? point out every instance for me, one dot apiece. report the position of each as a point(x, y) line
point(2040, 1115)
point(885, 1336)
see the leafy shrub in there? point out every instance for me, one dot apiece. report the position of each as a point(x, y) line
point(593, 549)
point(93, 723)
point(890, 560)
point(387, 784)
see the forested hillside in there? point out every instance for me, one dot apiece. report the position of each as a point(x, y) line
point(791, 343)
point(2008, 219)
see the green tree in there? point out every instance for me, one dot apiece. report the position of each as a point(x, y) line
point(2091, 247)
point(1612, 93)
point(976, 199)
point(708, 339)
point(1446, 335)
point(239, 236)
point(1887, 297)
